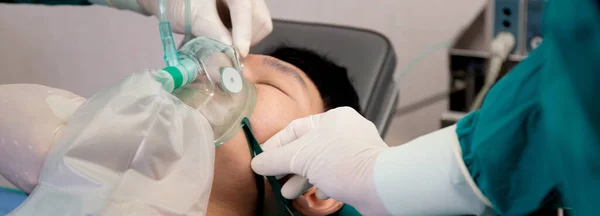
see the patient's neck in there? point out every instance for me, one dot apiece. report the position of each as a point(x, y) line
point(241, 205)
point(230, 206)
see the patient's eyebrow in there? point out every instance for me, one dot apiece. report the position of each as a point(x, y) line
point(275, 64)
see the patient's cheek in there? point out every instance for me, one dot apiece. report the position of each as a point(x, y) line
point(273, 112)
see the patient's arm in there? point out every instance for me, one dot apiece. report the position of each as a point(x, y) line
point(31, 119)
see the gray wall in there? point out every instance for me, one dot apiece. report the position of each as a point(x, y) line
point(75, 48)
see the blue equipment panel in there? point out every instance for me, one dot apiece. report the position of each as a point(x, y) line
point(535, 9)
point(522, 18)
point(507, 17)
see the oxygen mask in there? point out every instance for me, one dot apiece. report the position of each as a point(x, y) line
point(210, 75)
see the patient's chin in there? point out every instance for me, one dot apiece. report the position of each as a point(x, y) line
point(309, 204)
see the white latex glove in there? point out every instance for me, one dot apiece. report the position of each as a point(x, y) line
point(250, 19)
point(32, 118)
point(335, 151)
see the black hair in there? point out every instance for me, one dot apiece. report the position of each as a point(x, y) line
point(331, 80)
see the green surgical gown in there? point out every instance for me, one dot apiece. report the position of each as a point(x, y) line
point(535, 142)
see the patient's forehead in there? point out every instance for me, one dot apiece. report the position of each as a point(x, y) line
point(263, 69)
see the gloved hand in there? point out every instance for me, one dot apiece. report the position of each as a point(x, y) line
point(32, 118)
point(250, 19)
point(335, 151)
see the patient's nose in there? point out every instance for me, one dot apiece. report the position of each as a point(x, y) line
point(249, 69)
point(248, 75)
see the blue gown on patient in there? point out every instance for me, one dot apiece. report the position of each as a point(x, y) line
point(535, 142)
point(10, 199)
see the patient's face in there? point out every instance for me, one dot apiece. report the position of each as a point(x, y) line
point(284, 93)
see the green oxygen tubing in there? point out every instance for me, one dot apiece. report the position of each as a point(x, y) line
point(183, 70)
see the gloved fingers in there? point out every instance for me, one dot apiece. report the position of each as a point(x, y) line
point(241, 22)
point(292, 132)
point(216, 31)
point(174, 10)
point(287, 144)
point(175, 14)
point(321, 195)
point(295, 187)
point(262, 25)
point(209, 25)
point(277, 162)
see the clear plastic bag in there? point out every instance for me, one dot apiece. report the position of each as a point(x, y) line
point(134, 149)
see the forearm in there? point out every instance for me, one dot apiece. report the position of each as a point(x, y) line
point(48, 2)
point(427, 177)
point(132, 5)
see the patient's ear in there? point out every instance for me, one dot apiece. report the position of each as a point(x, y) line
point(309, 204)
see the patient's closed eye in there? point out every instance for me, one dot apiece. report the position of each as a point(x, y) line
point(275, 64)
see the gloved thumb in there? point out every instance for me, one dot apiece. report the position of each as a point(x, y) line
point(241, 22)
point(292, 132)
point(262, 25)
point(251, 23)
point(283, 146)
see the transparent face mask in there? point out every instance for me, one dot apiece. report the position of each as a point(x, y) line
point(225, 98)
point(218, 89)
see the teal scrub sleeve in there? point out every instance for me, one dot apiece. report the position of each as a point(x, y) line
point(571, 100)
point(501, 142)
point(535, 141)
point(48, 2)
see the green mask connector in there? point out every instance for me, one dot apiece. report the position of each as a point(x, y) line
point(174, 77)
